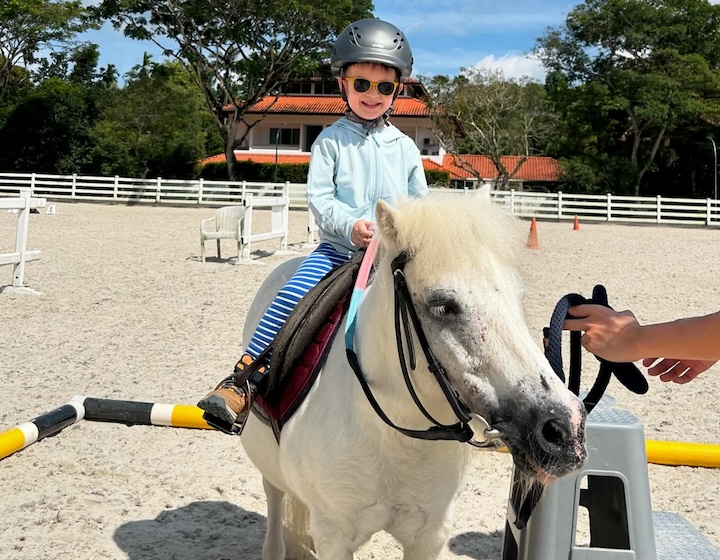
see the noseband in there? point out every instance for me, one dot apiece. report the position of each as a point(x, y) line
point(406, 319)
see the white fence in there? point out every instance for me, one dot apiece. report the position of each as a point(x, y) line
point(558, 206)
point(79, 188)
point(23, 204)
point(611, 208)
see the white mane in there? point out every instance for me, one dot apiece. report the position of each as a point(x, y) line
point(447, 231)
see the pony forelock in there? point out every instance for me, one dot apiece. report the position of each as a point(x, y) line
point(444, 230)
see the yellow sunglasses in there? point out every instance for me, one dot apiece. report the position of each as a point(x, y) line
point(361, 85)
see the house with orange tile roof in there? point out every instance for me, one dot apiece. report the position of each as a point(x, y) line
point(282, 129)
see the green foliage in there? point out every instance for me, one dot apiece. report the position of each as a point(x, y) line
point(259, 172)
point(580, 175)
point(154, 126)
point(294, 173)
point(28, 28)
point(237, 50)
point(437, 177)
point(632, 74)
point(49, 130)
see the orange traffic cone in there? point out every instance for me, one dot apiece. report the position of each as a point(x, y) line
point(576, 223)
point(532, 242)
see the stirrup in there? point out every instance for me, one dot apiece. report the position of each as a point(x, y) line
point(236, 427)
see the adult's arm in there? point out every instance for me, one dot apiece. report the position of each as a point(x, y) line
point(619, 337)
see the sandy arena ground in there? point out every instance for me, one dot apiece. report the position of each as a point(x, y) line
point(128, 311)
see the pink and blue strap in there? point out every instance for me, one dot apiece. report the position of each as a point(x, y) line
point(359, 290)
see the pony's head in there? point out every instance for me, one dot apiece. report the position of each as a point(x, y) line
point(462, 274)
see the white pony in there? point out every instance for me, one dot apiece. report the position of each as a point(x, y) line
point(354, 473)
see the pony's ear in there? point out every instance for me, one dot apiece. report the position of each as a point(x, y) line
point(386, 217)
point(483, 192)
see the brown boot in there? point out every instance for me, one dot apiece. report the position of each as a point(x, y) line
point(226, 408)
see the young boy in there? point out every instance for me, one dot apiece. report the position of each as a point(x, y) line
point(355, 162)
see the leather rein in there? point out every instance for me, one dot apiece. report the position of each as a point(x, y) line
point(406, 320)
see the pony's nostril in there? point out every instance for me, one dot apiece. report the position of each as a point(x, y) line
point(555, 432)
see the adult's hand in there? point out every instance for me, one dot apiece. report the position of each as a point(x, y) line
point(609, 334)
point(671, 370)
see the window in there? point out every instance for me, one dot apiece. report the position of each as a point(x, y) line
point(327, 88)
point(288, 136)
point(298, 87)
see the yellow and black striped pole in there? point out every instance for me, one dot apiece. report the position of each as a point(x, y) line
point(144, 413)
point(45, 425)
point(100, 410)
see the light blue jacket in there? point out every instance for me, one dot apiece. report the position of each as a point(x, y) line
point(350, 170)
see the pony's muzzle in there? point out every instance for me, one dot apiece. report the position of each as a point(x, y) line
point(559, 437)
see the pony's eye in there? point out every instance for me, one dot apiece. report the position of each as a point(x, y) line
point(443, 304)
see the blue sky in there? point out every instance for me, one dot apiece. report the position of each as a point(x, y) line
point(449, 34)
point(445, 34)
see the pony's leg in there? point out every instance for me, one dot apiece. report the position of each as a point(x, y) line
point(330, 542)
point(427, 544)
point(274, 546)
point(427, 547)
point(332, 550)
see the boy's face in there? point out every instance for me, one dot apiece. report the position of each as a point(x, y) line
point(370, 104)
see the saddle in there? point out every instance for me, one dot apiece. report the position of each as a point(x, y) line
point(301, 346)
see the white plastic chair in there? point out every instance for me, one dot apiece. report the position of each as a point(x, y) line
point(225, 224)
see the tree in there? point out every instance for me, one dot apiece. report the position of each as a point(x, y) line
point(639, 70)
point(155, 125)
point(482, 112)
point(28, 26)
point(237, 51)
point(48, 129)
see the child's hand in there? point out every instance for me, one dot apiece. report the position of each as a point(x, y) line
point(676, 371)
point(362, 233)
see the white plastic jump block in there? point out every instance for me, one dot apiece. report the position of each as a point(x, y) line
point(614, 489)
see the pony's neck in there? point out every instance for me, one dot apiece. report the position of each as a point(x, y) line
point(375, 333)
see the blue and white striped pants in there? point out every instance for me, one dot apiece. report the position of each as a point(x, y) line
point(317, 264)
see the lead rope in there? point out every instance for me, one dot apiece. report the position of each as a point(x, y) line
point(626, 373)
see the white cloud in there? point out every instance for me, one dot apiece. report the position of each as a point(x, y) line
point(469, 18)
point(514, 66)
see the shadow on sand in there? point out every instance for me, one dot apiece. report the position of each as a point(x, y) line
point(478, 546)
point(212, 530)
point(219, 530)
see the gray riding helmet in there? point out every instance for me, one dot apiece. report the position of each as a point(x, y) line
point(372, 40)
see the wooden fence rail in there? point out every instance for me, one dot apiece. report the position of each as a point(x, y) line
point(556, 206)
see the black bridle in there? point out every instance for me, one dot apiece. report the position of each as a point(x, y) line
point(405, 319)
